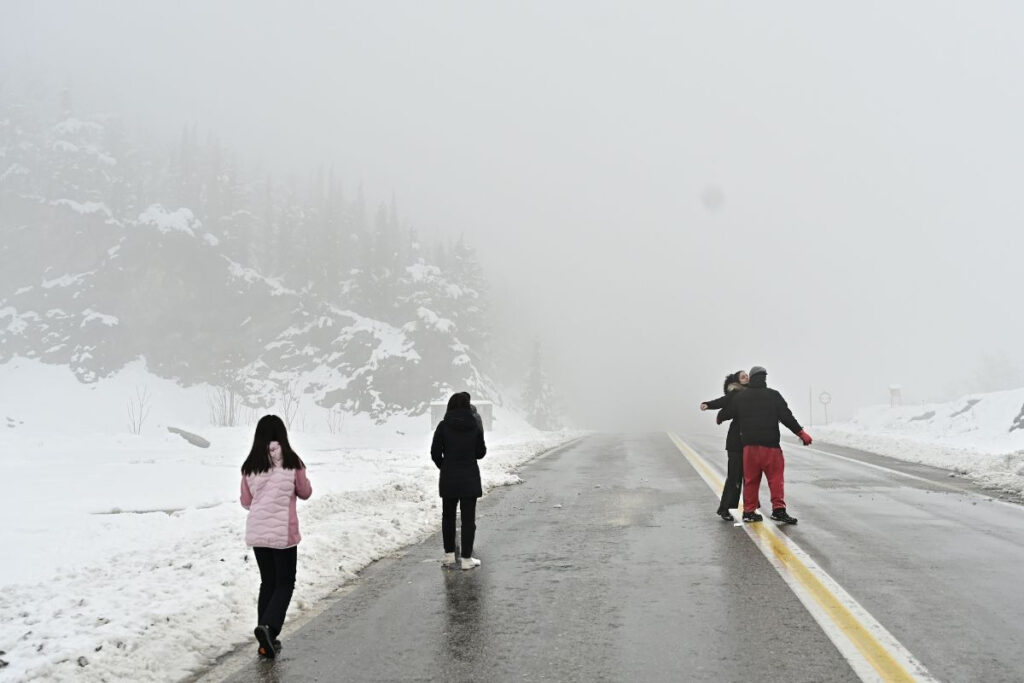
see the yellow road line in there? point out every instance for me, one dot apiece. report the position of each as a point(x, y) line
point(843, 616)
point(708, 474)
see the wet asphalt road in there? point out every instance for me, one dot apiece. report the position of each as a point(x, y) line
point(935, 559)
point(607, 564)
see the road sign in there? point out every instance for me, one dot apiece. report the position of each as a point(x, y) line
point(825, 399)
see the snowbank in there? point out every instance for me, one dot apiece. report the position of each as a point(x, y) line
point(125, 557)
point(981, 436)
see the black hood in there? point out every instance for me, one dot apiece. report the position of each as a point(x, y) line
point(460, 419)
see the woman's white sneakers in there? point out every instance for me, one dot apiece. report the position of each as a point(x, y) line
point(467, 562)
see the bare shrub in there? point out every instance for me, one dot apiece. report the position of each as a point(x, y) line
point(248, 415)
point(224, 407)
point(335, 420)
point(138, 409)
point(289, 401)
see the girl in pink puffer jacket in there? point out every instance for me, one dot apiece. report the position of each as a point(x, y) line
point(273, 476)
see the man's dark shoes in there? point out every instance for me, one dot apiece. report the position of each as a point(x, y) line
point(780, 515)
point(752, 517)
point(266, 648)
point(726, 515)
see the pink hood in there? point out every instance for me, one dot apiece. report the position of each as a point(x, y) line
point(270, 499)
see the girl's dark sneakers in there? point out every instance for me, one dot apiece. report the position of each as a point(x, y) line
point(267, 644)
point(752, 517)
point(780, 515)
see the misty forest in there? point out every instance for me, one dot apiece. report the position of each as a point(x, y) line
point(216, 273)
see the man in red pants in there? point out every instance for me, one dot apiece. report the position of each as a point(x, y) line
point(759, 411)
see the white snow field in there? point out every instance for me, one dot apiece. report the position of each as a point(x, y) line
point(979, 435)
point(124, 555)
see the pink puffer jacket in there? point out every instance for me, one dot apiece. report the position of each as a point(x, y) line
point(270, 499)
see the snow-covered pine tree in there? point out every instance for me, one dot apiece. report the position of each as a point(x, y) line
point(469, 289)
point(385, 265)
point(427, 303)
point(329, 239)
point(297, 241)
point(542, 405)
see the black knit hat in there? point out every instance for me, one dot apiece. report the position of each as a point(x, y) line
point(757, 370)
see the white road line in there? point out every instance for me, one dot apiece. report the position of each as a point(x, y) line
point(958, 489)
point(888, 470)
point(873, 653)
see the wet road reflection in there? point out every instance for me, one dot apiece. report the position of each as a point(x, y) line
point(267, 672)
point(465, 633)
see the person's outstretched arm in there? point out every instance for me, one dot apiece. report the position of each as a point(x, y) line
point(715, 404)
point(728, 412)
point(785, 416)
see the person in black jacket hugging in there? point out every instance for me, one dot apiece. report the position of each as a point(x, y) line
point(759, 410)
point(734, 383)
point(458, 444)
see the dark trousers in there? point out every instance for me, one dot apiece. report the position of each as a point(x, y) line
point(277, 582)
point(468, 506)
point(733, 483)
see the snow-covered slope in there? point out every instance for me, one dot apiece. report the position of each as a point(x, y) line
point(126, 557)
point(981, 435)
point(109, 254)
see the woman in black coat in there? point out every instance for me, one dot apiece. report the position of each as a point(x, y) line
point(734, 383)
point(458, 444)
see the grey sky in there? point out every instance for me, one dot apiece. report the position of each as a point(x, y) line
point(867, 157)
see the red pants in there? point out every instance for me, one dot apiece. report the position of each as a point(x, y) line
point(758, 459)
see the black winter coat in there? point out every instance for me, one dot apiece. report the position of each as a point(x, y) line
point(458, 444)
point(759, 410)
point(732, 439)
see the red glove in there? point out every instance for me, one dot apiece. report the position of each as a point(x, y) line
point(805, 437)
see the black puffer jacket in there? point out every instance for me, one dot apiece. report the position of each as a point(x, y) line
point(759, 410)
point(732, 439)
point(458, 444)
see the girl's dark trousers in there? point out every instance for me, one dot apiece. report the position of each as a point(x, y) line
point(468, 506)
point(733, 483)
point(277, 582)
